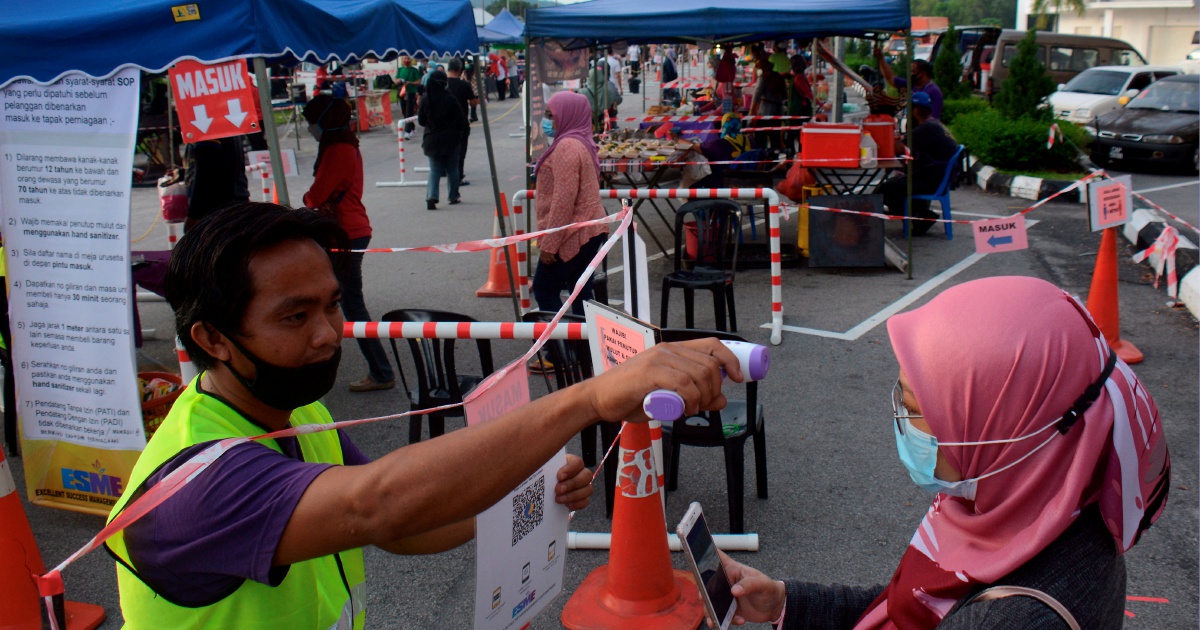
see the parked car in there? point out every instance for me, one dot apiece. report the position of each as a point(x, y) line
point(1191, 65)
point(1160, 124)
point(1097, 91)
point(1064, 55)
point(922, 52)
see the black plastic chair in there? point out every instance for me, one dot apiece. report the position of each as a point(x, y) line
point(716, 223)
point(438, 381)
point(572, 360)
point(728, 428)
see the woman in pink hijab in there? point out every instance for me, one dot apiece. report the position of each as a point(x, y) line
point(568, 191)
point(1048, 461)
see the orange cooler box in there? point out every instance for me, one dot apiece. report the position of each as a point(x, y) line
point(883, 132)
point(830, 145)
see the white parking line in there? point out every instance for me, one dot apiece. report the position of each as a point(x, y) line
point(895, 307)
point(1168, 187)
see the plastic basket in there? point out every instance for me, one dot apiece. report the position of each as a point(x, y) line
point(155, 410)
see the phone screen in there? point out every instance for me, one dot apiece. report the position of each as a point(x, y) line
point(716, 583)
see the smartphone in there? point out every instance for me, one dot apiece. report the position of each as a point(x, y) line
point(701, 552)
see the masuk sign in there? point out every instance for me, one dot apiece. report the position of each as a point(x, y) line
point(214, 101)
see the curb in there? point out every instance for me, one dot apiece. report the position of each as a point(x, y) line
point(1020, 186)
point(1143, 229)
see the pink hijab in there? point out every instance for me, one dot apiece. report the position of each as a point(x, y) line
point(572, 119)
point(1000, 358)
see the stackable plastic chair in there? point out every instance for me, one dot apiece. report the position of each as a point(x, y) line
point(716, 222)
point(728, 428)
point(438, 381)
point(942, 195)
point(572, 360)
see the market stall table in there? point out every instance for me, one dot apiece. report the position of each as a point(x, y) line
point(618, 171)
point(851, 180)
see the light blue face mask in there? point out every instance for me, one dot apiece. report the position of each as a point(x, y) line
point(548, 127)
point(918, 452)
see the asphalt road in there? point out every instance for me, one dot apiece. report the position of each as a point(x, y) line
point(841, 507)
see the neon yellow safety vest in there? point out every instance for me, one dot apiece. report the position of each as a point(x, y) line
point(325, 592)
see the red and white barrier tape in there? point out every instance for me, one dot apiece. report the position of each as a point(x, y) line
point(1164, 247)
point(702, 118)
point(461, 330)
point(181, 476)
point(490, 243)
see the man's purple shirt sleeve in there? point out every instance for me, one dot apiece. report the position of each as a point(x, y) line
point(223, 527)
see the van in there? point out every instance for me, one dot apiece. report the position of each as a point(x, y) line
point(1063, 55)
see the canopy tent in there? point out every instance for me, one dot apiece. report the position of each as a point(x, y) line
point(505, 28)
point(99, 38)
point(638, 21)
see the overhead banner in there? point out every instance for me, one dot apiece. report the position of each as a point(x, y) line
point(214, 101)
point(65, 178)
point(550, 66)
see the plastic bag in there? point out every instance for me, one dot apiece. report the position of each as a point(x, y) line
point(172, 196)
point(696, 170)
point(793, 185)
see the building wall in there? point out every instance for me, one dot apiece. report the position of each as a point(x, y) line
point(1162, 34)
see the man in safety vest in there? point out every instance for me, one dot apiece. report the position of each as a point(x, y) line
point(270, 535)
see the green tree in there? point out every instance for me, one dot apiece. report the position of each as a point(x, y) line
point(1027, 84)
point(947, 68)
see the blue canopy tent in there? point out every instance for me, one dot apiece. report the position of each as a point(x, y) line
point(42, 44)
point(505, 28)
point(638, 21)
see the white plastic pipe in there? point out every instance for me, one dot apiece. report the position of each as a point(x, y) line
point(601, 540)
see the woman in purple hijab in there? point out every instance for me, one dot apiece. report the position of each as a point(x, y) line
point(568, 191)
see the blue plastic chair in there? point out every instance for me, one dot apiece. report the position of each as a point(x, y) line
point(942, 196)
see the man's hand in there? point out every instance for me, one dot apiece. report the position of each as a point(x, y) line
point(760, 599)
point(689, 368)
point(547, 257)
point(574, 488)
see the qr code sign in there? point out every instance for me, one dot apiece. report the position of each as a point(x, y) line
point(528, 506)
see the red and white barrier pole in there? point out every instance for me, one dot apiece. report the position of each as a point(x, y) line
point(768, 194)
point(403, 182)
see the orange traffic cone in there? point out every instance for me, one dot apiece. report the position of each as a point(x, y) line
point(498, 284)
point(1102, 300)
point(637, 589)
point(21, 563)
point(274, 195)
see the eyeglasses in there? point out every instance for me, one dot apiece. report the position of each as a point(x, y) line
point(898, 408)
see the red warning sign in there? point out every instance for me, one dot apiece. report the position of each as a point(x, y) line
point(214, 101)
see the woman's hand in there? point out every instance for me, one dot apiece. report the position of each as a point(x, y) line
point(760, 599)
point(574, 488)
point(547, 257)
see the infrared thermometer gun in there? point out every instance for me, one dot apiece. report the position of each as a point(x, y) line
point(667, 406)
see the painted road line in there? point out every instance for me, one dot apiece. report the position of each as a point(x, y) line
point(1167, 187)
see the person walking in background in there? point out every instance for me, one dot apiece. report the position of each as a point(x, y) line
point(467, 98)
point(614, 71)
point(670, 73)
point(445, 125)
point(514, 74)
point(602, 96)
point(499, 70)
point(337, 191)
point(215, 178)
point(408, 79)
point(568, 191)
point(469, 75)
point(769, 97)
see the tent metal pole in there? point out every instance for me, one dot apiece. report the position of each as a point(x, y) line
point(532, 82)
point(501, 220)
point(908, 133)
point(269, 131)
point(839, 79)
point(171, 123)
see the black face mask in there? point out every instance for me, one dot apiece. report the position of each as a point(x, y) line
point(288, 388)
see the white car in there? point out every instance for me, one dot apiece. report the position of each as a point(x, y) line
point(1099, 90)
point(1191, 65)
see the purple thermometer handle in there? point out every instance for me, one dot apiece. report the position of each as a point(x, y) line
point(667, 406)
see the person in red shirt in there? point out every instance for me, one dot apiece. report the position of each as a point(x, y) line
point(337, 191)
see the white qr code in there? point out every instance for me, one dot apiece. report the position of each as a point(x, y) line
point(528, 506)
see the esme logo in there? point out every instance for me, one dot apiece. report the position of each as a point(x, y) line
point(524, 603)
point(93, 482)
